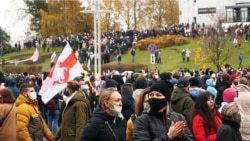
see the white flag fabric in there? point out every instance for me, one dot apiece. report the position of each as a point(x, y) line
point(66, 68)
point(53, 57)
point(35, 56)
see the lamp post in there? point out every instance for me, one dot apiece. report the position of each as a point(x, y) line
point(96, 10)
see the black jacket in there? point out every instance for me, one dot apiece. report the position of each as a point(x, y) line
point(229, 131)
point(103, 127)
point(150, 127)
point(224, 85)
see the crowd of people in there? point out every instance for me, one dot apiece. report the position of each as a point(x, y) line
point(140, 105)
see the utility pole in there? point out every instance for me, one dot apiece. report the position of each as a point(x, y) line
point(96, 10)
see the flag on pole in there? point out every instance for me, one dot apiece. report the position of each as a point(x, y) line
point(66, 68)
point(35, 56)
point(53, 57)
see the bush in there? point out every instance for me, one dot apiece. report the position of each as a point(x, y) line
point(21, 69)
point(162, 41)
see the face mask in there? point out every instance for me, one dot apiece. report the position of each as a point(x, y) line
point(156, 104)
point(214, 83)
point(65, 98)
point(156, 76)
point(84, 87)
point(33, 96)
point(116, 110)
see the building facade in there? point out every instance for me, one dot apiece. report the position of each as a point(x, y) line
point(211, 12)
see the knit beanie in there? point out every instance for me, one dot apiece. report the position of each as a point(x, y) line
point(231, 112)
point(229, 94)
point(164, 87)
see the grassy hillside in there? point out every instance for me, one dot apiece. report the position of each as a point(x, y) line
point(171, 57)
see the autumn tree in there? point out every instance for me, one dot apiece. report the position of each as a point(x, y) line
point(64, 17)
point(215, 48)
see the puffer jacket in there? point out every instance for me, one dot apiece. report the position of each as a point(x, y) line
point(150, 127)
point(30, 125)
point(182, 103)
point(74, 118)
point(104, 127)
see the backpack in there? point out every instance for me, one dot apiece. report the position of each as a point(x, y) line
point(51, 105)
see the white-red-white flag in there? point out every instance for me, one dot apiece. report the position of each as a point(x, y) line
point(35, 56)
point(53, 57)
point(66, 68)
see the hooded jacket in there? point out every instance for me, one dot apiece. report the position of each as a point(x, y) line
point(243, 88)
point(30, 125)
point(182, 103)
point(211, 87)
point(74, 118)
point(104, 127)
point(11, 84)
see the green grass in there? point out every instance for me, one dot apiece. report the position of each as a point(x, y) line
point(171, 57)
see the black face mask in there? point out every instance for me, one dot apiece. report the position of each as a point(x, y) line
point(156, 104)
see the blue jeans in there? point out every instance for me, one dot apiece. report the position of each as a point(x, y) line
point(53, 116)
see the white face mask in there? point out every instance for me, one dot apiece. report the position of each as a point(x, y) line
point(156, 76)
point(65, 98)
point(84, 87)
point(116, 110)
point(33, 96)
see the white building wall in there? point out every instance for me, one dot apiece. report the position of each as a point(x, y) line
point(189, 10)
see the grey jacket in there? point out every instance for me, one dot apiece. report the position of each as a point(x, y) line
point(150, 127)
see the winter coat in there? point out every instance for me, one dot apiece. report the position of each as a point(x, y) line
point(150, 127)
point(229, 131)
point(243, 100)
point(182, 103)
point(243, 88)
point(74, 118)
point(104, 127)
point(128, 105)
point(223, 86)
point(30, 125)
point(198, 128)
point(8, 128)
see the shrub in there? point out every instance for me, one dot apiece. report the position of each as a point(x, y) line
point(162, 41)
point(21, 69)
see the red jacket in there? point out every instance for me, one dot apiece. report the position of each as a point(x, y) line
point(199, 130)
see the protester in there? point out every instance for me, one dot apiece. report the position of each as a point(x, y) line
point(140, 84)
point(53, 112)
point(206, 118)
point(7, 115)
point(224, 84)
point(128, 102)
point(30, 124)
point(181, 100)
point(107, 123)
point(75, 114)
point(141, 107)
point(161, 123)
point(231, 119)
point(228, 96)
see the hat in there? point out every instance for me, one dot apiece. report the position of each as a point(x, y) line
point(194, 82)
point(111, 83)
point(231, 112)
point(229, 94)
point(183, 82)
point(244, 71)
point(163, 87)
point(232, 77)
point(165, 76)
point(187, 75)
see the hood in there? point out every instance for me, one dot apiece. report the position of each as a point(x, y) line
point(178, 94)
point(10, 82)
point(243, 88)
point(22, 99)
point(209, 82)
point(79, 96)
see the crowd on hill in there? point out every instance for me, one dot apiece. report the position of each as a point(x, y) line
point(133, 105)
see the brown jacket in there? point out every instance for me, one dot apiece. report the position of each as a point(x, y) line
point(8, 128)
